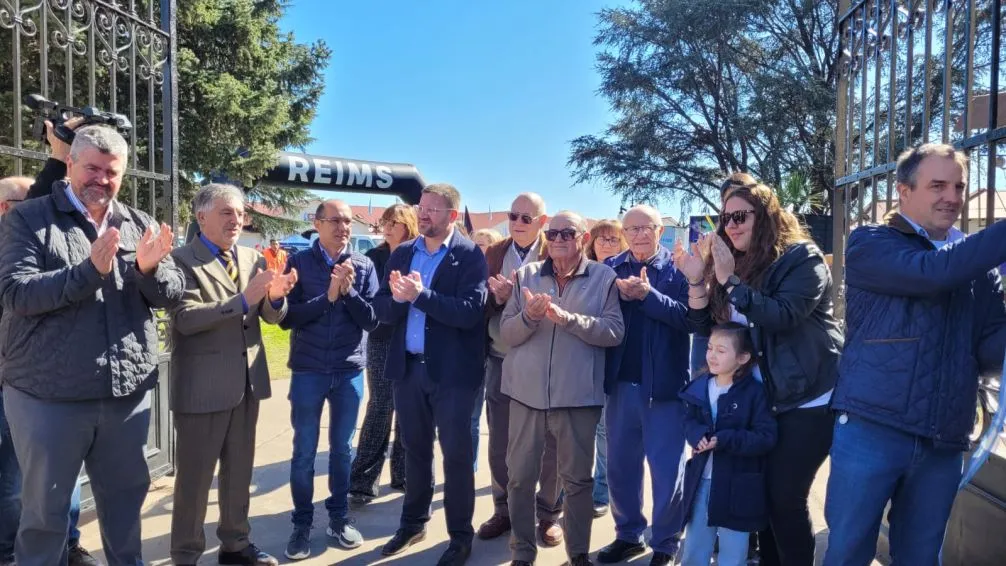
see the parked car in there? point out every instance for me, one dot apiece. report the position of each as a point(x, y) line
point(357, 242)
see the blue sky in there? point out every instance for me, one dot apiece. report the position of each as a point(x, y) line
point(483, 95)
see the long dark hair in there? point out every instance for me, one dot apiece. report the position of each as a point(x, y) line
point(743, 344)
point(774, 230)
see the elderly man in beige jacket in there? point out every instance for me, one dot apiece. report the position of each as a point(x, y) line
point(561, 316)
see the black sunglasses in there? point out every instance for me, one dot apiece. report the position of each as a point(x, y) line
point(524, 218)
point(566, 234)
point(738, 216)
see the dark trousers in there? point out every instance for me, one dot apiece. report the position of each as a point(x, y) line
point(203, 440)
point(429, 410)
point(804, 441)
point(52, 439)
point(375, 434)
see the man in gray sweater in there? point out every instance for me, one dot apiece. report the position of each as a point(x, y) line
point(80, 276)
point(561, 316)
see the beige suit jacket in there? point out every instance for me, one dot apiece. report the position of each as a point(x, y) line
point(216, 349)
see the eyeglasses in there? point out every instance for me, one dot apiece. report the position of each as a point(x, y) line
point(420, 209)
point(607, 240)
point(636, 230)
point(566, 234)
point(333, 221)
point(389, 224)
point(524, 218)
point(738, 216)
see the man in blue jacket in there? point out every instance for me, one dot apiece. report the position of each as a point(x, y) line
point(925, 317)
point(329, 310)
point(643, 375)
point(435, 298)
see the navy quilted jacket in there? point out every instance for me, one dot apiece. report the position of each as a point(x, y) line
point(69, 333)
point(921, 325)
point(328, 337)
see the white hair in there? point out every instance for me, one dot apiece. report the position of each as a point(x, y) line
point(209, 194)
point(574, 219)
point(646, 209)
point(104, 139)
point(14, 188)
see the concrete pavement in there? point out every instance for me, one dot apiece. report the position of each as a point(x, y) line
point(271, 505)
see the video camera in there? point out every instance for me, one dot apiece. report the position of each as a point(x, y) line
point(58, 114)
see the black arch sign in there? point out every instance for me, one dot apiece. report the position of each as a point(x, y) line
point(350, 175)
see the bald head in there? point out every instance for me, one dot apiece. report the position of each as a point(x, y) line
point(334, 222)
point(537, 204)
point(527, 218)
point(642, 211)
point(568, 219)
point(12, 191)
point(643, 227)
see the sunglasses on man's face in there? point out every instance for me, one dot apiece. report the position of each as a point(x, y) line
point(524, 218)
point(566, 234)
point(738, 216)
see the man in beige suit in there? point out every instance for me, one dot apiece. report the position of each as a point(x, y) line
point(219, 375)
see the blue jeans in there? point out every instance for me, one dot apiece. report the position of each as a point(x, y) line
point(480, 401)
point(308, 393)
point(639, 430)
point(872, 464)
point(601, 463)
point(700, 538)
point(10, 494)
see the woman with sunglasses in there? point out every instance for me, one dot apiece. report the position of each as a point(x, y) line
point(764, 271)
point(399, 224)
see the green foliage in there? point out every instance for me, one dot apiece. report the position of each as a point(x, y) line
point(700, 89)
point(245, 90)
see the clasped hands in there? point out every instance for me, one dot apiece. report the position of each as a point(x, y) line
point(539, 306)
point(269, 284)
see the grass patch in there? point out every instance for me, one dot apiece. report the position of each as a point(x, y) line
point(277, 350)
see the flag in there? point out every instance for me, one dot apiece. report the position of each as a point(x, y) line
point(468, 222)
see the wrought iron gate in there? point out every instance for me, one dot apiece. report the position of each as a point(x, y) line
point(917, 71)
point(116, 55)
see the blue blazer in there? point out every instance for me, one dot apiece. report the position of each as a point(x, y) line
point(454, 305)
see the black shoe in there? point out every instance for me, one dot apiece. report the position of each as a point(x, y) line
point(455, 555)
point(600, 510)
point(249, 556)
point(521, 563)
point(661, 559)
point(78, 556)
point(403, 539)
point(619, 551)
point(580, 560)
point(400, 486)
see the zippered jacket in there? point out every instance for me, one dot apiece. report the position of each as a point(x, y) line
point(551, 366)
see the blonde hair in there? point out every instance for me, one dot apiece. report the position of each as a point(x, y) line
point(493, 235)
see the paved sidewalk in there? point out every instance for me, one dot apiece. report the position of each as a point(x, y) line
point(271, 505)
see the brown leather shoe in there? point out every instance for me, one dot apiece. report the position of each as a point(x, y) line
point(497, 526)
point(550, 533)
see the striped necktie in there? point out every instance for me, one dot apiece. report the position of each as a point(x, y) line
point(229, 265)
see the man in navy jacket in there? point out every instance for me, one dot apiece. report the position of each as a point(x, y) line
point(643, 375)
point(329, 310)
point(925, 316)
point(434, 298)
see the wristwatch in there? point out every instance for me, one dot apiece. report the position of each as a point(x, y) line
point(733, 281)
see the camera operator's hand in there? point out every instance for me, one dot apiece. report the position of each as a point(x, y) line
point(60, 149)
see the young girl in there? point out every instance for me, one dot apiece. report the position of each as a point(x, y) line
point(730, 428)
